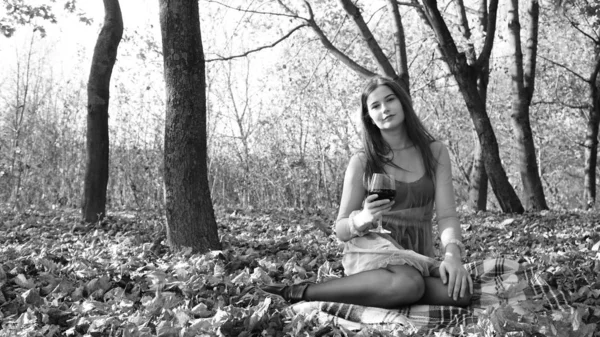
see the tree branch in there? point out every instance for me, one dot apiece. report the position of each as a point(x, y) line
point(486, 51)
point(362, 71)
point(464, 28)
point(225, 58)
point(444, 38)
point(531, 49)
point(570, 106)
point(409, 4)
point(584, 33)
point(294, 16)
point(383, 62)
point(400, 44)
point(564, 67)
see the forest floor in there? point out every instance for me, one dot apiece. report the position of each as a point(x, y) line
point(117, 278)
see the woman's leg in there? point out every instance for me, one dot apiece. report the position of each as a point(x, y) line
point(436, 293)
point(390, 287)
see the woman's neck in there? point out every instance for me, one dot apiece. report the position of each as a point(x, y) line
point(397, 140)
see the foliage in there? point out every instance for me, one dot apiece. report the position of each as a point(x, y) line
point(21, 13)
point(118, 279)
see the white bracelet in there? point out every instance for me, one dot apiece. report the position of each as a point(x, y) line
point(460, 245)
point(352, 226)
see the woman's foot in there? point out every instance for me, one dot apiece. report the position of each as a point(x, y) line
point(291, 293)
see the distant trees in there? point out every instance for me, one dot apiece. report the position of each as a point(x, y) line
point(584, 18)
point(97, 139)
point(189, 209)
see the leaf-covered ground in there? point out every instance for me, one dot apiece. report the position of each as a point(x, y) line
point(117, 278)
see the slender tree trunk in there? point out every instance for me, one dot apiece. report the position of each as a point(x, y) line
point(467, 76)
point(522, 91)
point(591, 140)
point(97, 141)
point(478, 180)
point(399, 45)
point(189, 210)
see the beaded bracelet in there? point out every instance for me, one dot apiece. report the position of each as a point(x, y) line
point(460, 245)
point(352, 226)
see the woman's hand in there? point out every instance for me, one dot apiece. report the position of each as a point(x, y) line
point(372, 210)
point(456, 277)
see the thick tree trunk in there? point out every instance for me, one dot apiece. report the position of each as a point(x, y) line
point(97, 141)
point(507, 198)
point(466, 76)
point(533, 192)
point(189, 210)
point(478, 180)
point(591, 141)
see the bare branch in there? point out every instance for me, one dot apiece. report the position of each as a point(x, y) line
point(464, 28)
point(570, 106)
point(294, 16)
point(400, 45)
point(564, 67)
point(576, 26)
point(382, 61)
point(362, 71)
point(595, 72)
point(225, 58)
point(531, 48)
point(486, 51)
point(409, 4)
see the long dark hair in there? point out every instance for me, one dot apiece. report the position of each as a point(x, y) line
point(375, 147)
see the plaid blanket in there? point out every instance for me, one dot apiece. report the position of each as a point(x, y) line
point(497, 282)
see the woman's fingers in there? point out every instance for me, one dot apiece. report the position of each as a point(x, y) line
point(463, 286)
point(451, 284)
point(470, 284)
point(443, 275)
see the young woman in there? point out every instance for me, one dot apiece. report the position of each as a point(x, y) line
point(390, 270)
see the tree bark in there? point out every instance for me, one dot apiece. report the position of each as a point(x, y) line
point(189, 210)
point(97, 139)
point(478, 180)
point(591, 140)
point(478, 187)
point(522, 92)
point(466, 76)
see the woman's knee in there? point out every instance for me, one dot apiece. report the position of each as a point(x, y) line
point(465, 301)
point(406, 284)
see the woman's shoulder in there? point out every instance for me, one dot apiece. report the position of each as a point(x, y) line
point(359, 158)
point(437, 148)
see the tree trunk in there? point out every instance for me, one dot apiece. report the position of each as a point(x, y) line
point(533, 192)
point(399, 45)
point(97, 141)
point(591, 140)
point(466, 76)
point(478, 180)
point(189, 210)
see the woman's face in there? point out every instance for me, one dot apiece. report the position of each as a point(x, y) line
point(385, 108)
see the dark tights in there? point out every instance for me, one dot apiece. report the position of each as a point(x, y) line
point(390, 287)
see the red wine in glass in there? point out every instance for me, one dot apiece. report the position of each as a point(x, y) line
point(384, 194)
point(384, 185)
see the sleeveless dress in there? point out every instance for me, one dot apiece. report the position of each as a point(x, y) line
point(410, 241)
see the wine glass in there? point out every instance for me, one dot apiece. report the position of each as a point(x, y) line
point(384, 185)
